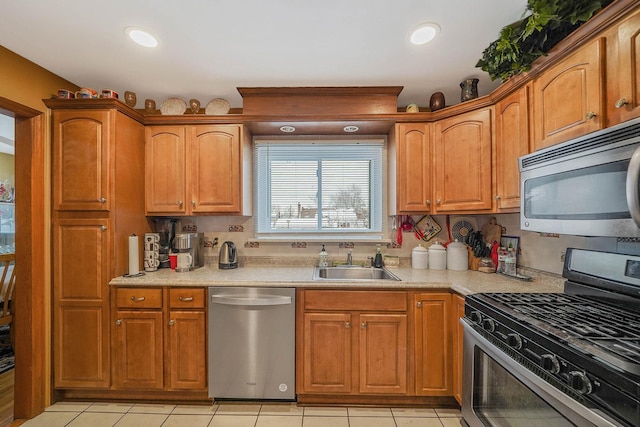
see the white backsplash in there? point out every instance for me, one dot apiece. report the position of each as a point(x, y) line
point(537, 251)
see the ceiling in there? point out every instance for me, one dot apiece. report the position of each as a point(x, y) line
point(208, 48)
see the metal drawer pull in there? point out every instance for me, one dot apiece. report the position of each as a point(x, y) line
point(186, 299)
point(137, 299)
point(347, 325)
point(103, 228)
point(621, 103)
point(590, 115)
point(172, 322)
point(102, 200)
point(363, 325)
point(118, 322)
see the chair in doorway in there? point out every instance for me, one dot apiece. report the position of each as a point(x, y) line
point(7, 292)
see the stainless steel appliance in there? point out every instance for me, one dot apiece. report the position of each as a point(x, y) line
point(569, 358)
point(191, 243)
point(166, 228)
point(252, 343)
point(588, 186)
point(228, 257)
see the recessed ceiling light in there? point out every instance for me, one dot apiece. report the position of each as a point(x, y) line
point(424, 33)
point(287, 129)
point(141, 37)
point(351, 129)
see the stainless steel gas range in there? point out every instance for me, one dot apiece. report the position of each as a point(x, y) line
point(570, 359)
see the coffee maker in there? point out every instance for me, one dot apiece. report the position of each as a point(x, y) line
point(166, 228)
point(191, 243)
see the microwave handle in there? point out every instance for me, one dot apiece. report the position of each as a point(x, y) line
point(633, 180)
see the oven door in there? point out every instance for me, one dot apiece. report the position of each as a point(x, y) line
point(498, 391)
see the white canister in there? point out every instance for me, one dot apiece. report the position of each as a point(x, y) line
point(457, 256)
point(419, 258)
point(437, 257)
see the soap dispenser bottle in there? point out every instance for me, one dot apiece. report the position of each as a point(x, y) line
point(324, 258)
point(377, 261)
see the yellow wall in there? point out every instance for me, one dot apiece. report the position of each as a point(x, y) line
point(26, 83)
point(6, 168)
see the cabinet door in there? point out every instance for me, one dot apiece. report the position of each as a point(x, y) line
point(626, 75)
point(433, 355)
point(215, 169)
point(463, 162)
point(383, 353)
point(458, 313)
point(80, 303)
point(187, 353)
point(569, 97)
point(139, 350)
point(413, 167)
point(327, 353)
point(165, 170)
point(512, 141)
point(81, 160)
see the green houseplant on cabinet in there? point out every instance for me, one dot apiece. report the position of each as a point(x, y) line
point(547, 23)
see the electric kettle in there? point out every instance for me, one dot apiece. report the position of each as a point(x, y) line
point(228, 256)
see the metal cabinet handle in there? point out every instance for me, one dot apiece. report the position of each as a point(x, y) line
point(347, 325)
point(590, 115)
point(428, 202)
point(419, 304)
point(186, 299)
point(621, 103)
point(180, 203)
point(138, 299)
point(102, 200)
point(119, 322)
point(438, 201)
point(363, 325)
point(103, 228)
point(497, 197)
point(172, 322)
point(193, 203)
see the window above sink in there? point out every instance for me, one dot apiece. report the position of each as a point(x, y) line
point(320, 188)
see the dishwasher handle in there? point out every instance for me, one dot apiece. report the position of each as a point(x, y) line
point(251, 301)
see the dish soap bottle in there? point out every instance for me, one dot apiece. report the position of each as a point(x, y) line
point(377, 261)
point(324, 258)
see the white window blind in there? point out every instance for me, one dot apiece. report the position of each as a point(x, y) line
point(312, 187)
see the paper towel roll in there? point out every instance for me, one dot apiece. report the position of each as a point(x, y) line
point(134, 262)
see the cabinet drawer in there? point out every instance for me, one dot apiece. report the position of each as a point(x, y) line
point(139, 298)
point(186, 298)
point(355, 300)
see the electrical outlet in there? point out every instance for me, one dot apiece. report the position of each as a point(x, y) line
point(562, 256)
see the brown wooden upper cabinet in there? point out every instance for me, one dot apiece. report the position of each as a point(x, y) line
point(81, 160)
point(462, 146)
point(623, 70)
point(197, 169)
point(512, 141)
point(569, 97)
point(413, 157)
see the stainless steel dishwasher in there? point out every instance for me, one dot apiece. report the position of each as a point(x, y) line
point(252, 343)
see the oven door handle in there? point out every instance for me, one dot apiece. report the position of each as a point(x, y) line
point(633, 179)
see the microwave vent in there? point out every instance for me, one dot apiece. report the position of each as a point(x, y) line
point(609, 138)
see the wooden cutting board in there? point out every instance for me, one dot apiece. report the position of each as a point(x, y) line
point(491, 233)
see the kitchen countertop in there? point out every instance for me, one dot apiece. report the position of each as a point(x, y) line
point(462, 282)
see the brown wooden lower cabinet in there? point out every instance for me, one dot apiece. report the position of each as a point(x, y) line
point(458, 313)
point(433, 344)
point(160, 339)
point(374, 347)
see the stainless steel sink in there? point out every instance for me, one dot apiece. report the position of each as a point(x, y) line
point(352, 273)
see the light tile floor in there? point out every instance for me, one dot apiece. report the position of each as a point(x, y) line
point(229, 414)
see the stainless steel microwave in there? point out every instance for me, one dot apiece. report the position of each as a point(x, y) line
point(588, 186)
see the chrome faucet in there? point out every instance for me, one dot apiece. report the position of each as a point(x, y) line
point(349, 258)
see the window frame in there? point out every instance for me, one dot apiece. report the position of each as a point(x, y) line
point(377, 230)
